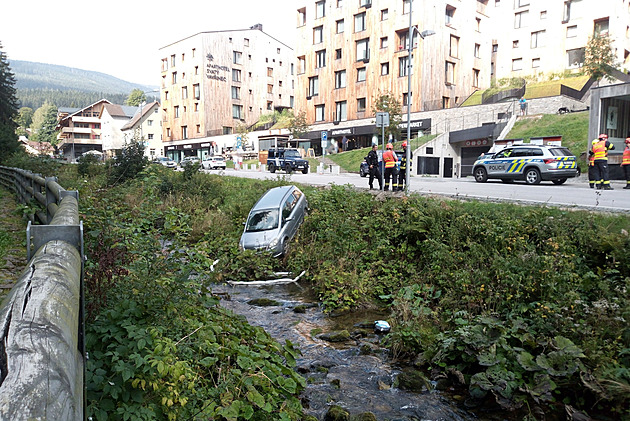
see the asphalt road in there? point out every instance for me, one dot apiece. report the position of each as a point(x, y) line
point(575, 193)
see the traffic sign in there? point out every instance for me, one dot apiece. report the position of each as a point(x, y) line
point(382, 119)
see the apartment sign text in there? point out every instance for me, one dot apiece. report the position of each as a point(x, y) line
point(214, 71)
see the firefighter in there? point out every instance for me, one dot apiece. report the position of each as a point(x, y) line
point(592, 171)
point(403, 166)
point(390, 159)
point(600, 149)
point(375, 172)
point(625, 163)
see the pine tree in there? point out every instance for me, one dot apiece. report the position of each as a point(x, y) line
point(8, 109)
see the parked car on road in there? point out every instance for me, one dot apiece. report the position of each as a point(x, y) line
point(274, 220)
point(287, 159)
point(167, 162)
point(532, 163)
point(189, 160)
point(213, 163)
point(364, 169)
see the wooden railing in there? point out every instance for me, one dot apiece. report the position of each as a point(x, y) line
point(42, 348)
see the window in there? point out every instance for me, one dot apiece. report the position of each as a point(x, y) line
point(475, 78)
point(449, 15)
point(227, 130)
point(537, 39)
point(176, 111)
point(301, 17)
point(359, 22)
point(601, 27)
point(384, 42)
point(477, 50)
point(236, 75)
point(406, 6)
point(269, 105)
point(184, 92)
point(164, 64)
point(361, 74)
point(575, 58)
point(478, 24)
point(173, 60)
point(403, 39)
point(238, 57)
point(446, 102)
point(405, 99)
point(196, 70)
point(184, 132)
point(183, 55)
point(319, 112)
point(522, 3)
point(363, 51)
point(246, 42)
point(341, 111)
point(339, 3)
point(449, 73)
point(535, 63)
point(237, 111)
point(198, 128)
point(269, 89)
point(149, 122)
point(301, 65)
point(495, 48)
point(543, 15)
point(338, 54)
point(361, 104)
point(270, 71)
point(340, 26)
point(566, 13)
point(340, 79)
point(517, 64)
point(572, 31)
point(384, 14)
point(403, 66)
point(313, 86)
point(174, 78)
point(236, 92)
point(318, 34)
point(515, 43)
point(454, 47)
point(384, 69)
point(168, 132)
point(320, 9)
point(363, 3)
point(320, 59)
point(520, 19)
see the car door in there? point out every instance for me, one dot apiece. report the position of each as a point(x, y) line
point(499, 164)
point(289, 220)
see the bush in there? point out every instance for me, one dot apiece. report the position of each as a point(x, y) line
point(128, 163)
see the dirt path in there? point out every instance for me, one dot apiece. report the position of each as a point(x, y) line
point(12, 242)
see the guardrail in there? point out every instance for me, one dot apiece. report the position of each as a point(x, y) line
point(42, 347)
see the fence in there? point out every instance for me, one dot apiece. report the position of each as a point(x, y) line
point(42, 350)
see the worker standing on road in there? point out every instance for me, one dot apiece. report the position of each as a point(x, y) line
point(625, 163)
point(390, 159)
point(600, 149)
point(375, 172)
point(592, 171)
point(403, 166)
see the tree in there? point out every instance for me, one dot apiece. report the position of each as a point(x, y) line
point(128, 163)
point(8, 108)
point(387, 102)
point(298, 125)
point(136, 97)
point(44, 124)
point(24, 119)
point(243, 131)
point(599, 58)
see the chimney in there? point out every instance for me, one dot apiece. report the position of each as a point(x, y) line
point(257, 26)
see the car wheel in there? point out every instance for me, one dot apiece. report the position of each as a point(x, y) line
point(507, 180)
point(559, 181)
point(532, 176)
point(481, 176)
point(272, 167)
point(305, 171)
point(288, 169)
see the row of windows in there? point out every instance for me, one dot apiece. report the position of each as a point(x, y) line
point(574, 59)
point(184, 90)
point(183, 131)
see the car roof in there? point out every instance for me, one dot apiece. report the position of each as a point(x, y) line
point(273, 198)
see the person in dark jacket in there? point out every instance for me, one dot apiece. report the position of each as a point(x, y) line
point(372, 161)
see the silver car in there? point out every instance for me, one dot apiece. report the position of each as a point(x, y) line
point(274, 220)
point(532, 163)
point(167, 162)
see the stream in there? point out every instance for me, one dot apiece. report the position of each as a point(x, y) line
point(338, 373)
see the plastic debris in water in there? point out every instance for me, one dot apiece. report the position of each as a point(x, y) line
point(381, 326)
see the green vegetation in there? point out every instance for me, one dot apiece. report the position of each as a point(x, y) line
point(573, 127)
point(528, 306)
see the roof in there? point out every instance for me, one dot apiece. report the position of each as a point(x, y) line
point(253, 28)
point(147, 109)
point(273, 198)
point(115, 110)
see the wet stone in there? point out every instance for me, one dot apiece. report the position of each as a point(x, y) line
point(366, 416)
point(263, 302)
point(337, 413)
point(335, 336)
point(413, 380)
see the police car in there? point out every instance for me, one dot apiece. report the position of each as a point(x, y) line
point(532, 163)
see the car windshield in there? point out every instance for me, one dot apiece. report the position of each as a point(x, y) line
point(262, 220)
point(292, 154)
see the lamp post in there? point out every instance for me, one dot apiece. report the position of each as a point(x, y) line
point(422, 34)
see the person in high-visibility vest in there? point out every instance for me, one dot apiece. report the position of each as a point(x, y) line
point(625, 163)
point(592, 171)
point(402, 175)
point(600, 149)
point(389, 160)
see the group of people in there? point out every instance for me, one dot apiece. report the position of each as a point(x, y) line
point(395, 168)
point(598, 174)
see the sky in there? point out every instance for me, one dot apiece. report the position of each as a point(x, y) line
point(122, 38)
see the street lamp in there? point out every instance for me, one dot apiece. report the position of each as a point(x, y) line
point(423, 35)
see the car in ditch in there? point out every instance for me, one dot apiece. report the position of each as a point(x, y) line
point(274, 220)
point(528, 162)
point(213, 163)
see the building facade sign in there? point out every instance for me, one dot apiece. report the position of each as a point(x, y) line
point(424, 123)
point(214, 71)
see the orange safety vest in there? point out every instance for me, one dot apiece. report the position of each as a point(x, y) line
point(626, 156)
point(599, 150)
point(591, 161)
point(390, 160)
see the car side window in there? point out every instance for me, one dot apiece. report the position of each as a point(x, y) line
point(507, 153)
point(537, 152)
point(519, 153)
point(287, 207)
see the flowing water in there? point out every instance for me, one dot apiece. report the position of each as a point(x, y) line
point(339, 373)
